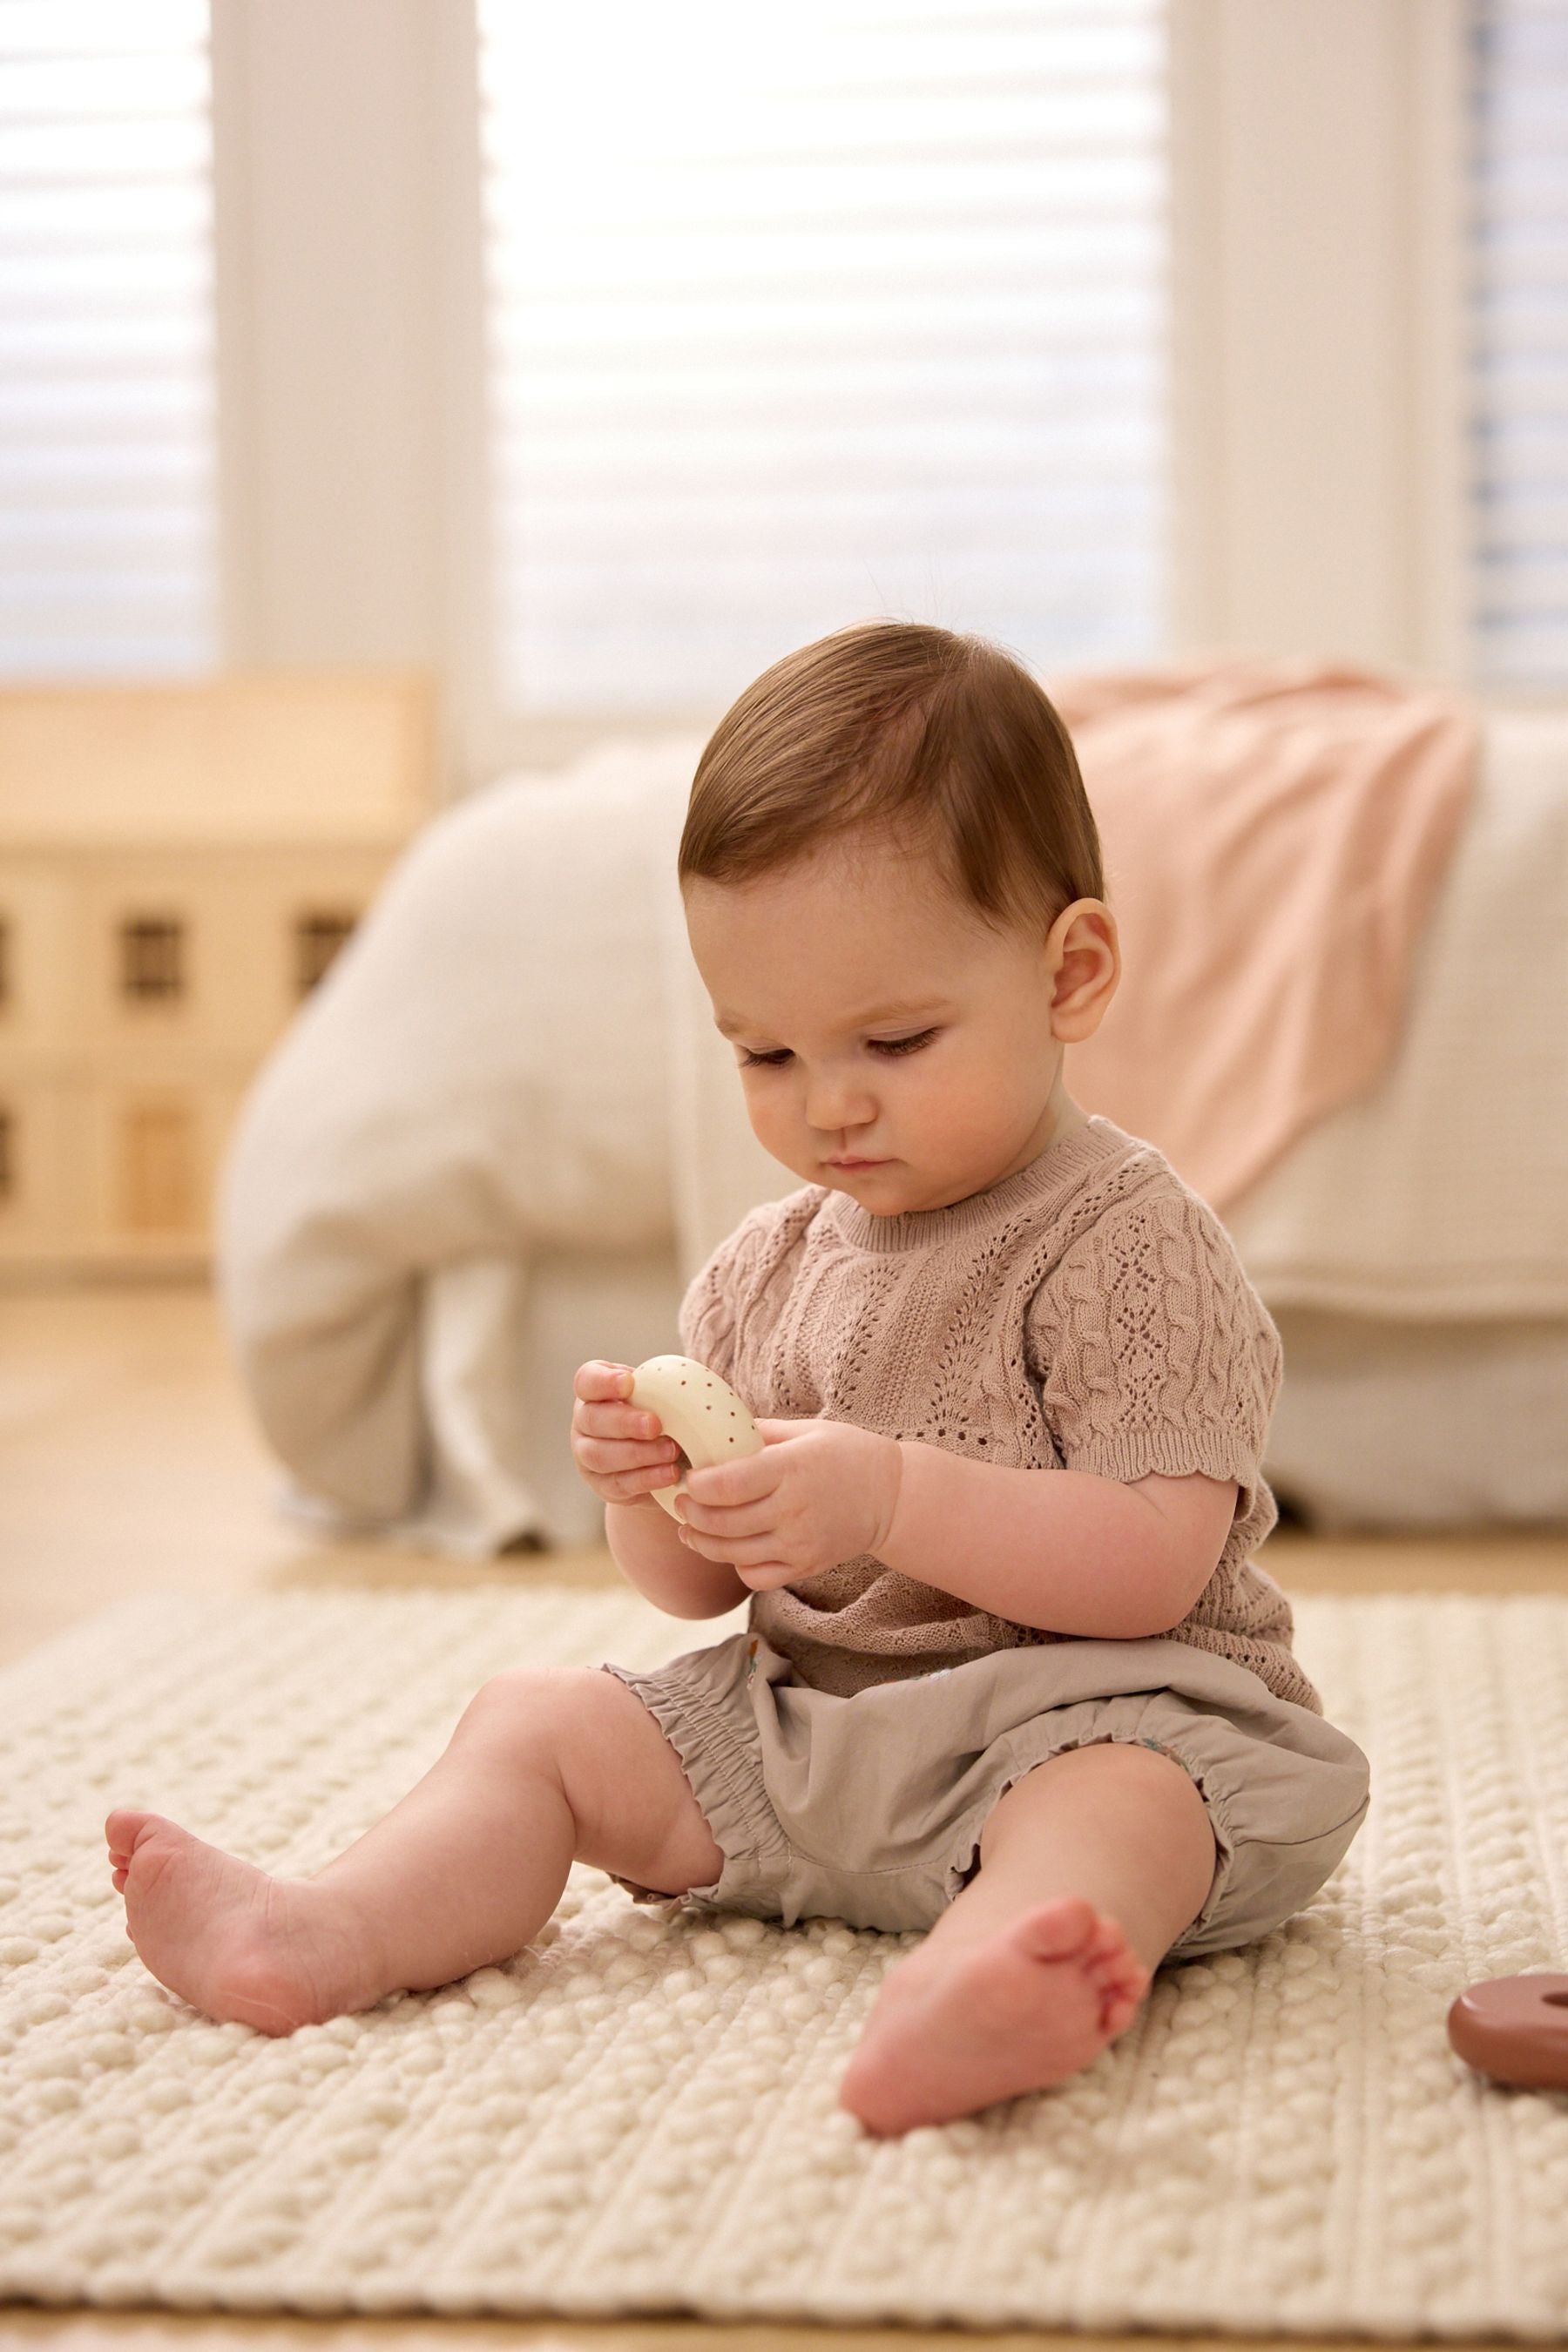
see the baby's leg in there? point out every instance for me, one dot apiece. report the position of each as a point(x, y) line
point(546, 1767)
point(1091, 1865)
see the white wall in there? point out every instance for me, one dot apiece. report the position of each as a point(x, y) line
point(1319, 178)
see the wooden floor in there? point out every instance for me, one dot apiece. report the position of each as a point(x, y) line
point(129, 1464)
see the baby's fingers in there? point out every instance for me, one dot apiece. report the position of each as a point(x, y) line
point(619, 1448)
point(728, 1522)
point(601, 1411)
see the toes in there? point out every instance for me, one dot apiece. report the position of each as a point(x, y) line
point(855, 2094)
point(1111, 1960)
point(148, 1844)
point(1110, 1970)
point(122, 1829)
point(1073, 1929)
point(1135, 1977)
point(1109, 1945)
point(1119, 2005)
point(1122, 1981)
point(1058, 1929)
point(1117, 2011)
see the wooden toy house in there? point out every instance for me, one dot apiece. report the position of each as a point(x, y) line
point(178, 867)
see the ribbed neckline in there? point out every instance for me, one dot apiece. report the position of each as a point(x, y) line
point(1048, 1179)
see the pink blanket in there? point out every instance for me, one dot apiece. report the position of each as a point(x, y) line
point(1275, 832)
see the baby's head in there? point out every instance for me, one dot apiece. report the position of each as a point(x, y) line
point(894, 896)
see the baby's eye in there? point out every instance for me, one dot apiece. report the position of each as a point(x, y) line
point(891, 1045)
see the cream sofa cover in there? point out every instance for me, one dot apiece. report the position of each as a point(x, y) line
point(504, 1134)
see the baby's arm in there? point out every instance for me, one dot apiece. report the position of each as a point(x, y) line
point(1062, 1550)
point(646, 1542)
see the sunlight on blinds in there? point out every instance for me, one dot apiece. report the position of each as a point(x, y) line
point(801, 315)
point(107, 435)
point(1519, 293)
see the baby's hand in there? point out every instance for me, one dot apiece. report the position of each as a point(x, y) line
point(819, 1492)
point(618, 1448)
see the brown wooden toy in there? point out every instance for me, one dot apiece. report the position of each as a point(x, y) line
point(1515, 2029)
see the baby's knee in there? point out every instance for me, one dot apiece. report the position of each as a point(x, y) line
point(533, 1713)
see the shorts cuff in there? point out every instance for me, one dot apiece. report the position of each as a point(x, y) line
point(1216, 1804)
point(718, 1772)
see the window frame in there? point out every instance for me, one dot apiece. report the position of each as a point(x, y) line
point(1316, 311)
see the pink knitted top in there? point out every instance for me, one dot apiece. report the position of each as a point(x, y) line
point(1088, 1312)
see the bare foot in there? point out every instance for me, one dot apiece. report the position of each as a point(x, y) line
point(274, 1953)
point(954, 2030)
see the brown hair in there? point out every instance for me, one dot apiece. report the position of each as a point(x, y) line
point(896, 731)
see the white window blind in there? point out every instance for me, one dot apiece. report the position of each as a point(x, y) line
point(107, 435)
point(802, 314)
point(1518, 294)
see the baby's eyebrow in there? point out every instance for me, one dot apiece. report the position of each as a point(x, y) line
point(732, 1026)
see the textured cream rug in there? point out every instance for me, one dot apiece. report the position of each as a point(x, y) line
point(637, 2115)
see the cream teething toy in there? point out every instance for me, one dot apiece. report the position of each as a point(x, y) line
point(700, 1410)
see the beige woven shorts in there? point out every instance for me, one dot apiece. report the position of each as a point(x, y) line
point(868, 1809)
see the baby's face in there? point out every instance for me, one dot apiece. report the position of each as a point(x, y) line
point(895, 1027)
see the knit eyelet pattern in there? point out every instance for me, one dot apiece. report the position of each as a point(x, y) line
point(1089, 1313)
point(638, 2112)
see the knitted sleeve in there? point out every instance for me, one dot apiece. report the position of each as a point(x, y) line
point(1152, 1350)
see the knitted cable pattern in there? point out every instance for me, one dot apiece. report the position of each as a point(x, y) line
point(1156, 1355)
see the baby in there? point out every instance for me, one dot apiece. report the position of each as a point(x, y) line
point(1010, 1673)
